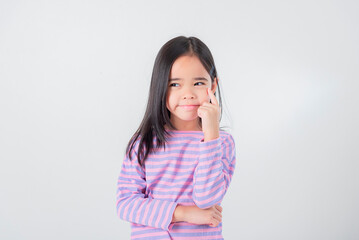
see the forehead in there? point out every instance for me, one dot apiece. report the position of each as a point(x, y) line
point(187, 66)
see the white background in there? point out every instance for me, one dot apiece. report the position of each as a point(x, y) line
point(74, 79)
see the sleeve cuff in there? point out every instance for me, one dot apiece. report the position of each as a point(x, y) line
point(168, 224)
point(216, 141)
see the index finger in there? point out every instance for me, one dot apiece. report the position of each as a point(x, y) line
point(212, 97)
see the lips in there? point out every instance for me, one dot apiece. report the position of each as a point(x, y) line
point(189, 106)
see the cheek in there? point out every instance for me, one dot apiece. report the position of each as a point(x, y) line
point(204, 97)
point(169, 102)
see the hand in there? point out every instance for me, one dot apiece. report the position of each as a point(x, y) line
point(209, 113)
point(211, 216)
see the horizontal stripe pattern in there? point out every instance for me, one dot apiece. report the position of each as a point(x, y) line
point(188, 171)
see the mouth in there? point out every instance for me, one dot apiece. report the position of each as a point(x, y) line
point(189, 106)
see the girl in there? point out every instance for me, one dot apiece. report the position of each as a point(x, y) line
point(178, 164)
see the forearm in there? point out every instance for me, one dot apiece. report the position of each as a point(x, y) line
point(193, 214)
point(213, 173)
point(208, 180)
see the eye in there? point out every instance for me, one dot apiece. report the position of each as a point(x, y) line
point(201, 83)
point(171, 85)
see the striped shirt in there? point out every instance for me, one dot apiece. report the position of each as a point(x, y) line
point(188, 171)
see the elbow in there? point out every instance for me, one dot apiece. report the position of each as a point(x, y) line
point(119, 204)
point(210, 195)
point(208, 199)
point(122, 200)
point(202, 206)
point(205, 203)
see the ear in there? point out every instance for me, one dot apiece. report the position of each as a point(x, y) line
point(214, 85)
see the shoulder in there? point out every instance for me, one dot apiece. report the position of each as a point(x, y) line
point(134, 144)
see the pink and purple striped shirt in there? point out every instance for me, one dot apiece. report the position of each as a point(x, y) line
point(188, 171)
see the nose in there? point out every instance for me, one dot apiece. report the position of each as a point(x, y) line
point(188, 93)
point(188, 97)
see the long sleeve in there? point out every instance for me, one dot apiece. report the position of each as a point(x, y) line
point(213, 174)
point(133, 204)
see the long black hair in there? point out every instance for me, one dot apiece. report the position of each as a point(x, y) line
point(157, 115)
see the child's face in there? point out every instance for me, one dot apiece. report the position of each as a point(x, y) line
point(184, 89)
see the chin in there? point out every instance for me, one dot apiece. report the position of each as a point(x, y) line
point(189, 118)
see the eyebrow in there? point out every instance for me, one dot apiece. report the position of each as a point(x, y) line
point(196, 78)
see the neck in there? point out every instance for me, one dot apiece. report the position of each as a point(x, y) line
point(186, 127)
